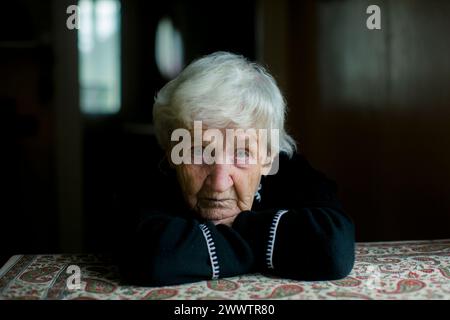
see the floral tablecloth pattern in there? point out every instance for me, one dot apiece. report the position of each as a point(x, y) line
point(383, 270)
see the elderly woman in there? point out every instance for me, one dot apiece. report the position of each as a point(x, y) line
point(235, 208)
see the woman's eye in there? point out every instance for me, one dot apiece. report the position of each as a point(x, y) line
point(242, 153)
point(197, 151)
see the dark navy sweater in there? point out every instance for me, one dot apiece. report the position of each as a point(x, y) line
point(298, 230)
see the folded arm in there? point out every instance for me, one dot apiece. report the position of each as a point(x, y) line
point(168, 250)
point(315, 243)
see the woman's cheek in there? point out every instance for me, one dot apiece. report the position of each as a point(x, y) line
point(245, 189)
point(187, 178)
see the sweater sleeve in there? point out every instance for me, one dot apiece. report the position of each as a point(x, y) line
point(311, 243)
point(169, 250)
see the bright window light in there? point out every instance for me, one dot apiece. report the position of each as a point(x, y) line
point(99, 56)
point(169, 52)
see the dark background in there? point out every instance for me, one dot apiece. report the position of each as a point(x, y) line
point(371, 109)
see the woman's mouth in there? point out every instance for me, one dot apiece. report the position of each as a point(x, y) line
point(215, 203)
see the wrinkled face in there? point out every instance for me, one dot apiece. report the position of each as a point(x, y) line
point(220, 191)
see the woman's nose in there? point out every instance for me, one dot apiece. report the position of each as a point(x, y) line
point(219, 178)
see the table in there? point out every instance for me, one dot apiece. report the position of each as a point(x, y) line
point(383, 270)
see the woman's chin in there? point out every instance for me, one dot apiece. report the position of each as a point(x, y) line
point(216, 215)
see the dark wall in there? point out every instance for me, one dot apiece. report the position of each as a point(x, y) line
point(372, 109)
point(28, 217)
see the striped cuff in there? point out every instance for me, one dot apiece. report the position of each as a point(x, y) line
point(272, 234)
point(211, 251)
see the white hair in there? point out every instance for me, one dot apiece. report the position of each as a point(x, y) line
point(222, 90)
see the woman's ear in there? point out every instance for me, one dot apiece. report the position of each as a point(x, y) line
point(271, 165)
point(267, 165)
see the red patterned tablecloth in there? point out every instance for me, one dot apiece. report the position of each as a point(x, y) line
point(389, 270)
